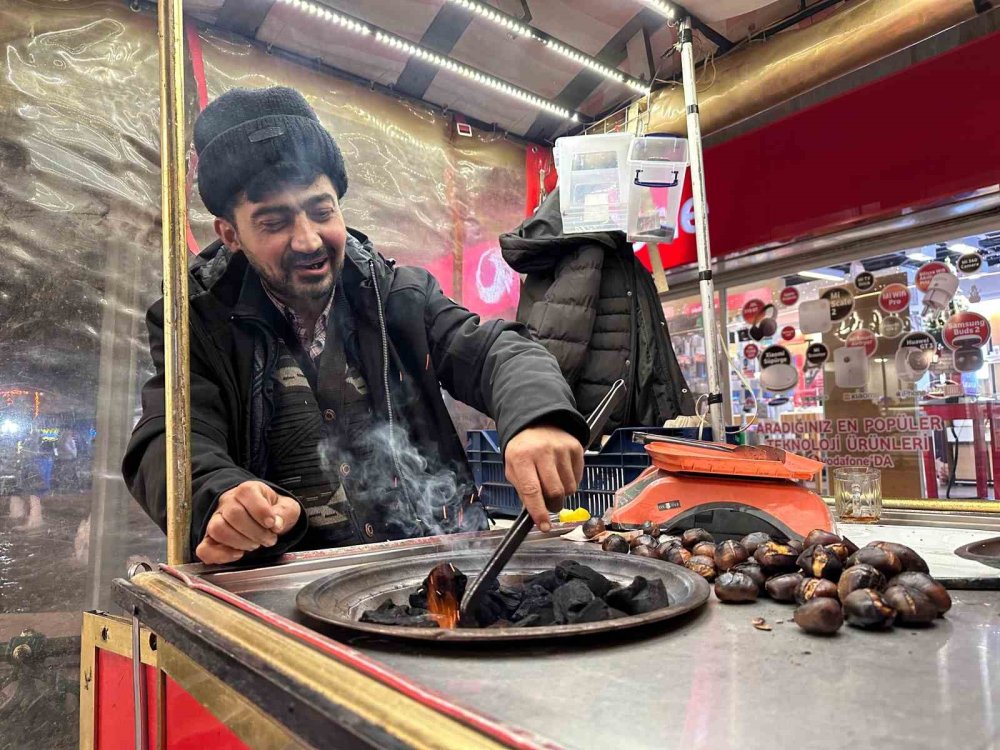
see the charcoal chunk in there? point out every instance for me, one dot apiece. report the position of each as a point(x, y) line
point(597, 610)
point(403, 615)
point(571, 569)
point(498, 603)
point(569, 600)
point(638, 597)
point(535, 598)
point(549, 580)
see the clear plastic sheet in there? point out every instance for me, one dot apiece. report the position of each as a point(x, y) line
point(80, 249)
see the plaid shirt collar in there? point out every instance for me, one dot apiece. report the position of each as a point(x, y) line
point(313, 341)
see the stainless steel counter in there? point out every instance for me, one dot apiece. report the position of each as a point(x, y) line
point(712, 680)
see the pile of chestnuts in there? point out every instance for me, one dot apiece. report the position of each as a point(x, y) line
point(828, 576)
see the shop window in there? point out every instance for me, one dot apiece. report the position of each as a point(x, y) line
point(888, 361)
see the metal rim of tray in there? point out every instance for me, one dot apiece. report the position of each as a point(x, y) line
point(339, 598)
point(985, 551)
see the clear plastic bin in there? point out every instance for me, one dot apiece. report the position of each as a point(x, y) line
point(657, 165)
point(593, 181)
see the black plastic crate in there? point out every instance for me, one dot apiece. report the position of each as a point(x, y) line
point(619, 461)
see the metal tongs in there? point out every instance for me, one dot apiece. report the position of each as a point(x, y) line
point(524, 523)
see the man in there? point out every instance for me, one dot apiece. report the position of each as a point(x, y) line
point(316, 365)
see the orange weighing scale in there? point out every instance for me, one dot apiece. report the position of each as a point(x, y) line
point(729, 490)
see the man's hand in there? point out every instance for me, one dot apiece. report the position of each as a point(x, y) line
point(545, 464)
point(248, 516)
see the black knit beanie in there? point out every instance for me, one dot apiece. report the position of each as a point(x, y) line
point(245, 131)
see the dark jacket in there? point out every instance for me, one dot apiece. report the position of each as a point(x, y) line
point(412, 341)
point(592, 304)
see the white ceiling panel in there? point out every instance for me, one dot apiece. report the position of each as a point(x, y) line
point(360, 55)
point(456, 93)
point(408, 18)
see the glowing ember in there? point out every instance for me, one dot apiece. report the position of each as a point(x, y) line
point(443, 595)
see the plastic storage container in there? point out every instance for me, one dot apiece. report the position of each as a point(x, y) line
point(593, 181)
point(620, 460)
point(657, 165)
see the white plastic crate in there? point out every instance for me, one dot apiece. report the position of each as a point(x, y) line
point(593, 181)
point(657, 165)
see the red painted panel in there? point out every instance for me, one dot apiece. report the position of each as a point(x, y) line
point(922, 135)
point(190, 726)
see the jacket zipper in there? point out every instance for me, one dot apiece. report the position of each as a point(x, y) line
point(388, 399)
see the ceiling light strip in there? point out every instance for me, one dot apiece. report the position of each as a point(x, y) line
point(321, 12)
point(512, 24)
point(666, 9)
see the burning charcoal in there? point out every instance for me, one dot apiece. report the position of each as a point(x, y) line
point(388, 613)
point(418, 599)
point(569, 600)
point(498, 603)
point(597, 583)
point(445, 586)
point(534, 600)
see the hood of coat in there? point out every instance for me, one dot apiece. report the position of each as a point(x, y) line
point(539, 243)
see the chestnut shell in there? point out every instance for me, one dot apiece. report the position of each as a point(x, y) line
point(775, 556)
point(593, 526)
point(692, 536)
point(644, 540)
point(705, 549)
point(859, 577)
point(912, 607)
point(735, 587)
point(864, 608)
point(614, 543)
point(813, 588)
point(927, 586)
point(752, 569)
point(782, 588)
point(820, 616)
point(882, 560)
point(819, 562)
point(753, 540)
point(907, 556)
point(677, 555)
point(730, 553)
point(820, 536)
point(644, 550)
point(651, 528)
point(703, 566)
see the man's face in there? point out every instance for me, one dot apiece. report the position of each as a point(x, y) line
point(294, 238)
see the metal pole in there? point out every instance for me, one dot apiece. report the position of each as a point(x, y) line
point(701, 234)
point(173, 204)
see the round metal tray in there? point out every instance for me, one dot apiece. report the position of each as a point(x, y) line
point(341, 597)
point(986, 551)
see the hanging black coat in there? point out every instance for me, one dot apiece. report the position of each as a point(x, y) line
point(592, 304)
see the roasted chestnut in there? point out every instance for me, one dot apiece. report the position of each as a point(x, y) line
point(615, 543)
point(703, 566)
point(811, 588)
point(864, 608)
point(842, 549)
point(882, 560)
point(907, 556)
point(859, 577)
point(668, 539)
point(644, 550)
point(730, 553)
point(692, 536)
point(663, 549)
point(820, 536)
point(752, 569)
point(754, 540)
point(820, 616)
point(594, 526)
point(644, 540)
point(651, 528)
point(795, 544)
point(735, 587)
point(782, 588)
point(677, 555)
point(820, 562)
point(775, 556)
point(912, 607)
point(705, 549)
point(927, 586)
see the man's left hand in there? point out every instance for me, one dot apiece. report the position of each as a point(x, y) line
point(545, 464)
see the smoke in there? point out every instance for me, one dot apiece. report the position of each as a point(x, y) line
point(408, 492)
